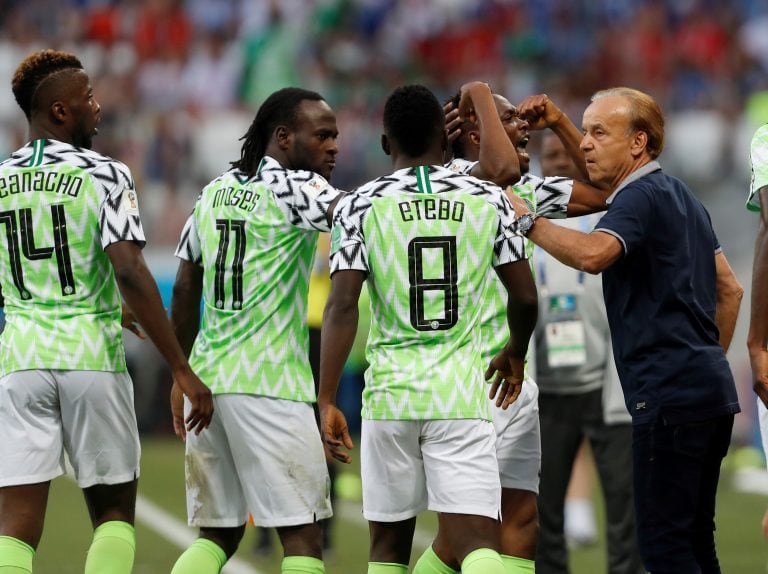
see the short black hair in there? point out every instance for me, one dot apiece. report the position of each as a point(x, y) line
point(279, 109)
point(413, 118)
point(34, 70)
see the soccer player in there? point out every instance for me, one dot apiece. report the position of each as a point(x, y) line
point(424, 239)
point(491, 144)
point(672, 301)
point(757, 342)
point(72, 236)
point(247, 250)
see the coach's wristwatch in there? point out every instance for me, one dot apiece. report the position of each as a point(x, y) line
point(525, 223)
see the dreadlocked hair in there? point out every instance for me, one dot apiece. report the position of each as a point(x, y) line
point(413, 118)
point(36, 69)
point(279, 109)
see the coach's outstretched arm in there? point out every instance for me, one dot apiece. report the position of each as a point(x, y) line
point(339, 328)
point(139, 290)
point(522, 312)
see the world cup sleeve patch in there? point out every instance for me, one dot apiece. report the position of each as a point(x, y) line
point(131, 202)
point(314, 186)
point(335, 238)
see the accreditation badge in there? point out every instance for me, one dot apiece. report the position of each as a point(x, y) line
point(565, 343)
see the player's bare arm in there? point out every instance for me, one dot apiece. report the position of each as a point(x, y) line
point(757, 340)
point(139, 291)
point(522, 311)
point(498, 160)
point(541, 113)
point(185, 320)
point(339, 328)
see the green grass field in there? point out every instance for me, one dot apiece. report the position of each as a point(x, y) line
point(67, 534)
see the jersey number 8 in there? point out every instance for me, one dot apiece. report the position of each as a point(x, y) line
point(420, 286)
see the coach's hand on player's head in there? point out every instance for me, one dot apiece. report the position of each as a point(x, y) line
point(200, 398)
point(335, 432)
point(508, 380)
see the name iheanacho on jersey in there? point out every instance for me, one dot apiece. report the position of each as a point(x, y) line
point(58, 182)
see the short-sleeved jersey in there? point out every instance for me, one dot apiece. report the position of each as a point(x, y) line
point(426, 237)
point(60, 207)
point(549, 198)
point(758, 156)
point(255, 239)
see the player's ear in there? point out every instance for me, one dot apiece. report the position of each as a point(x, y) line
point(283, 137)
point(385, 144)
point(474, 137)
point(59, 112)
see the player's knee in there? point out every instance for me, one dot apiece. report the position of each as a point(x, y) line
point(228, 539)
point(303, 540)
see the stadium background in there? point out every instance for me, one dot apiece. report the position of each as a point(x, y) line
point(179, 82)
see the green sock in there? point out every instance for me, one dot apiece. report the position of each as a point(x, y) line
point(302, 565)
point(112, 549)
point(202, 557)
point(15, 556)
point(482, 561)
point(430, 563)
point(387, 568)
point(515, 565)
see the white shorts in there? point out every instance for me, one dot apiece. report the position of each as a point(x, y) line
point(518, 440)
point(441, 465)
point(87, 414)
point(262, 455)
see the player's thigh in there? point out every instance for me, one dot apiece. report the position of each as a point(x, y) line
point(100, 432)
point(215, 497)
point(461, 468)
point(518, 441)
point(392, 470)
point(31, 448)
point(279, 457)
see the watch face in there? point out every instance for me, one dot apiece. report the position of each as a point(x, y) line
point(525, 223)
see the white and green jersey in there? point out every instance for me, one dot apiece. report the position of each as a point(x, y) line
point(60, 207)
point(426, 237)
point(759, 158)
point(548, 197)
point(255, 239)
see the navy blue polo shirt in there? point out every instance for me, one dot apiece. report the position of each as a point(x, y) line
point(661, 297)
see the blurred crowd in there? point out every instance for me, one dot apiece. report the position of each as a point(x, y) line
point(179, 80)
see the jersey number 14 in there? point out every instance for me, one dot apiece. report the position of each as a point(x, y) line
point(21, 225)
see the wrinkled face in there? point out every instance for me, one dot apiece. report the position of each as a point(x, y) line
point(516, 128)
point(313, 145)
point(555, 160)
point(607, 141)
point(84, 109)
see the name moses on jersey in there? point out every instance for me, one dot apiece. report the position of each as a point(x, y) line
point(57, 182)
point(237, 197)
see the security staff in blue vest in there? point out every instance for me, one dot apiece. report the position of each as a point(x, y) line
point(672, 301)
